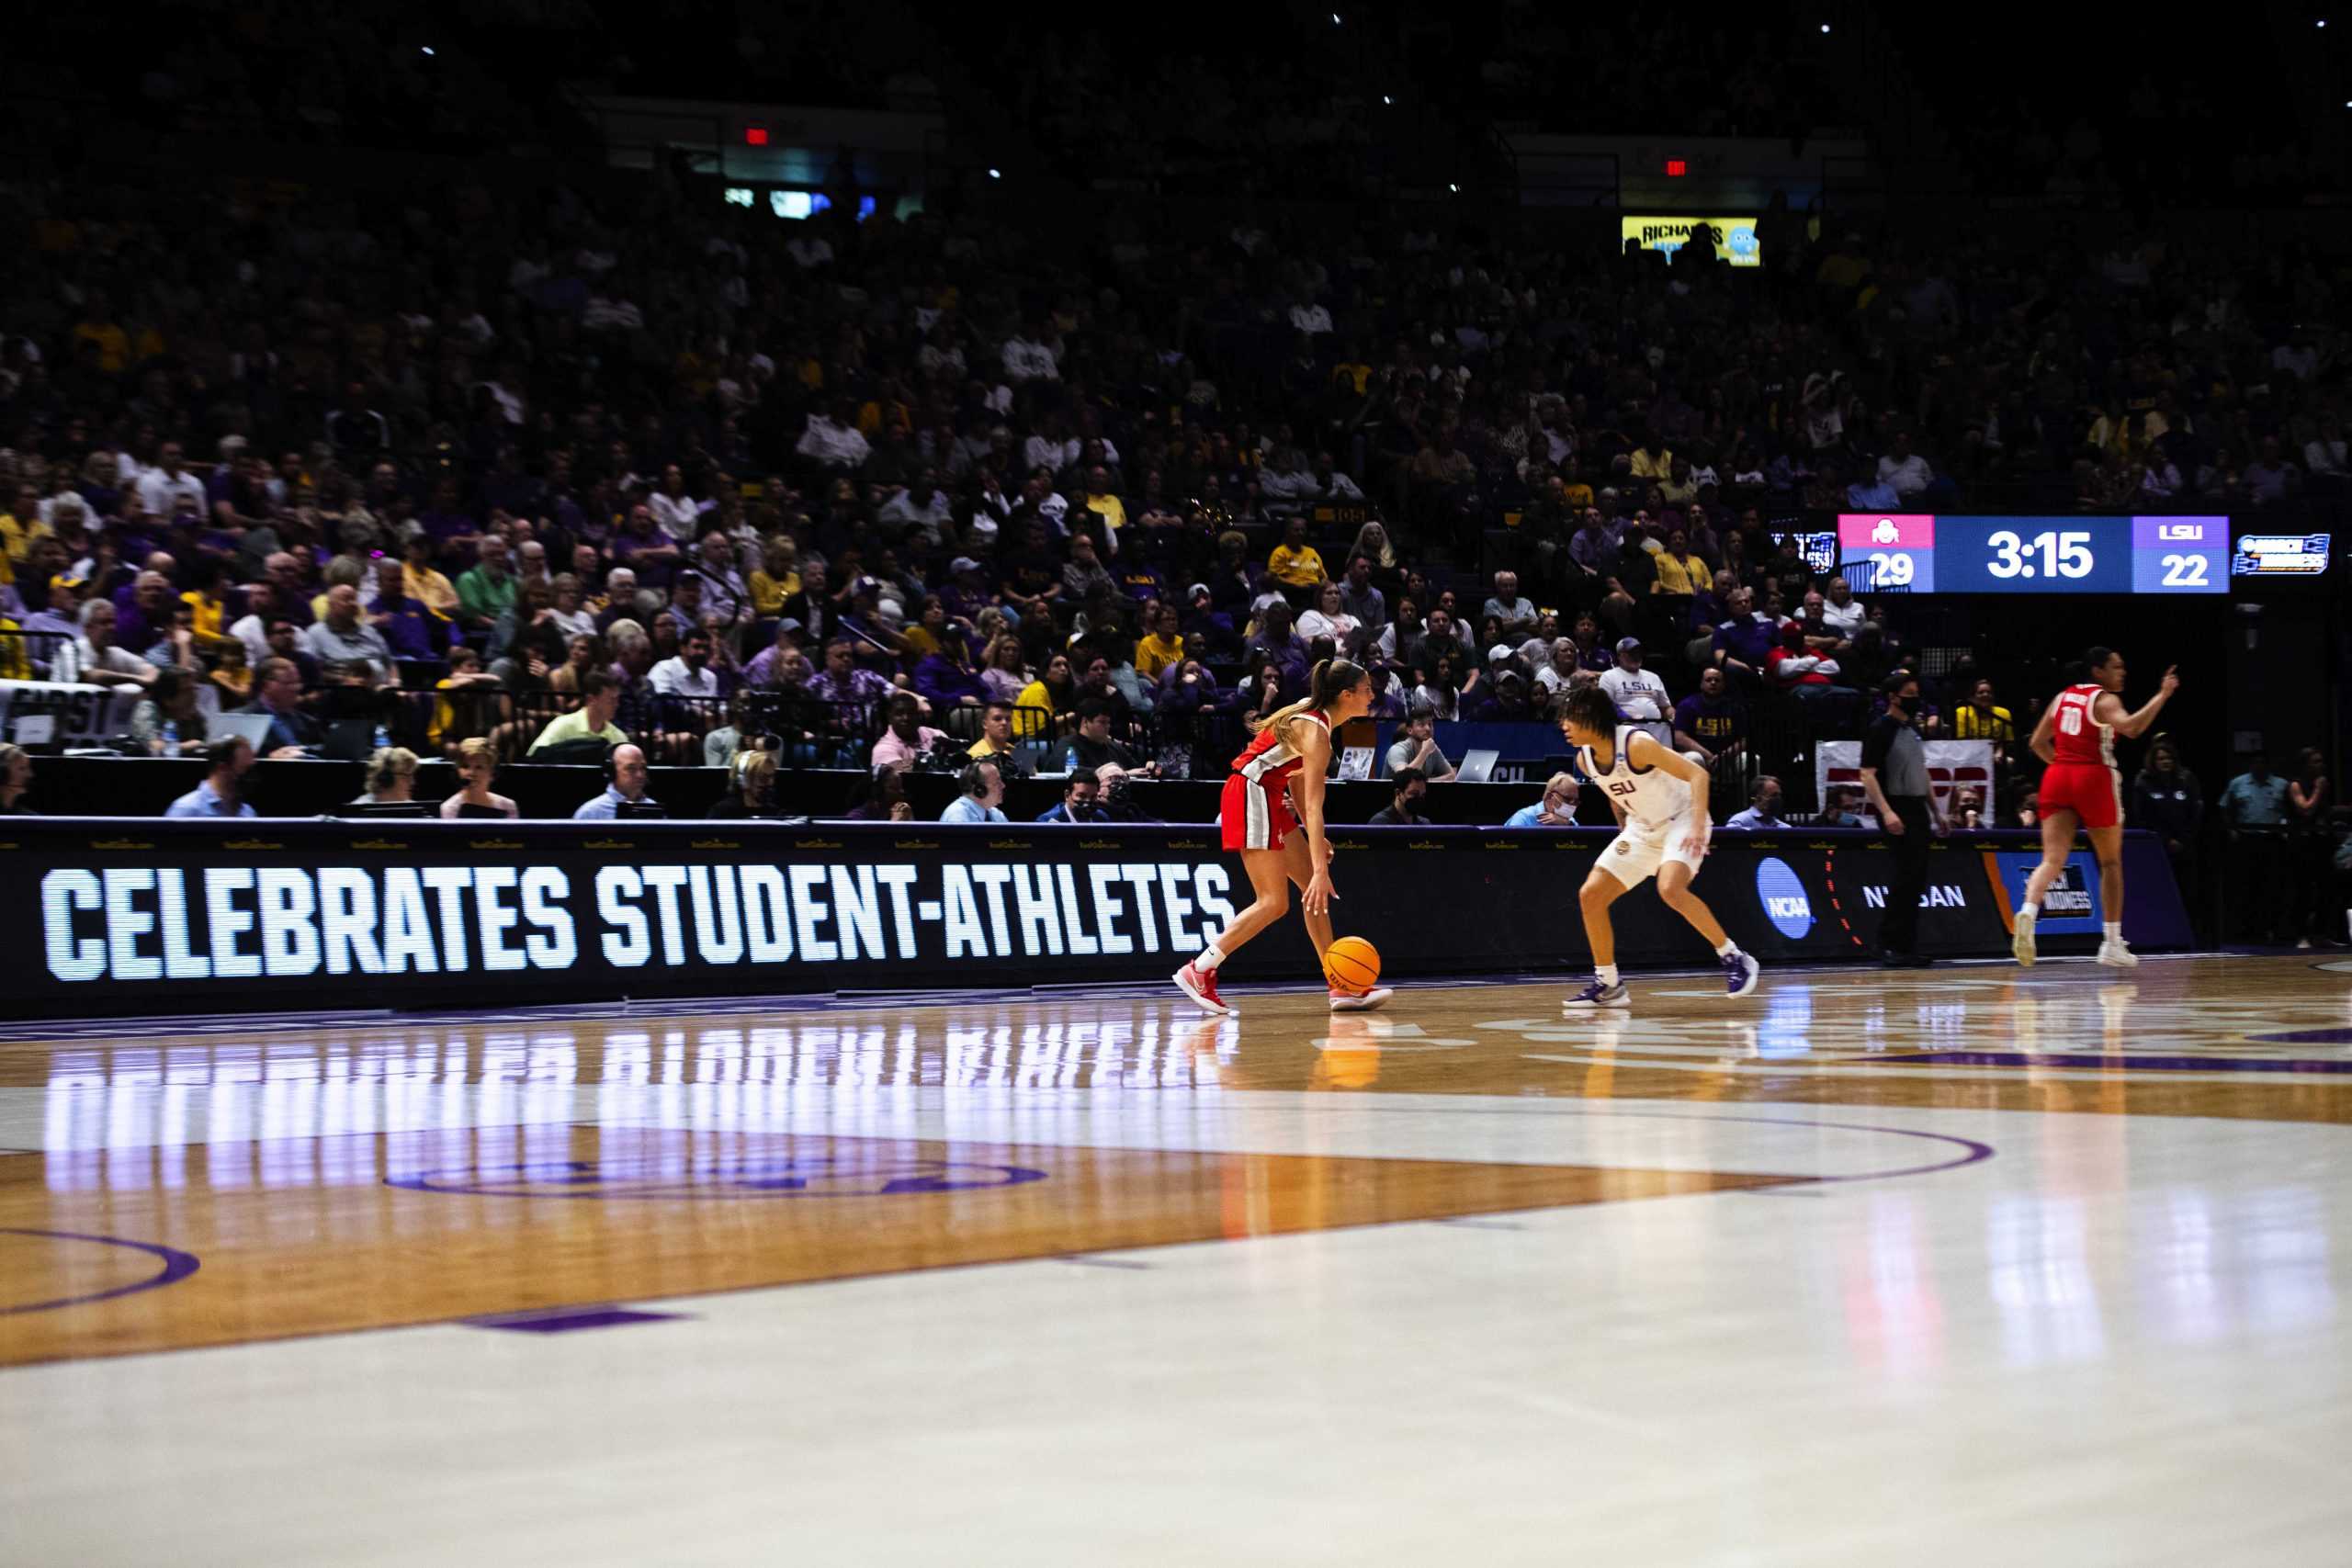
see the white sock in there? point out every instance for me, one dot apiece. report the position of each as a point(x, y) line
point(1727, 949)
point(1211, 956)
point(2114, 930)
point(2032, 910)
point(1605, 973)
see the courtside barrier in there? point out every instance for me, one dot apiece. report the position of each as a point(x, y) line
point(104, 917)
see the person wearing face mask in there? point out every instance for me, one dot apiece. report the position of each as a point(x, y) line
point(1403, 811)
point(1894, 776)
point(1556, 810)
point(1115, 792)
point(1079, 802)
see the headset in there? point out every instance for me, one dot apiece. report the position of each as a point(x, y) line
point(382, 768)
point(750, 761)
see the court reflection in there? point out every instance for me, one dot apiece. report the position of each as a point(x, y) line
point(307, 1234)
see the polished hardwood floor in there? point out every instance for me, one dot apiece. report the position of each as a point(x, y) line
point(2045, 1267)
point(321, 1177)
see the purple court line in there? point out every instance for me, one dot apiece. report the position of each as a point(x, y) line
point(565, 1320)
point(1976, 1152)
point(2149, 1064)
point(177, 1266)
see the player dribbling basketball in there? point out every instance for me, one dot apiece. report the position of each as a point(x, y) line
point(2082, 787)
point(1660, 800)
point(1271, 815)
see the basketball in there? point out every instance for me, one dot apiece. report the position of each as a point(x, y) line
point(1352, 964)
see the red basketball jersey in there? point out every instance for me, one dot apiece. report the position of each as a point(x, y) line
point(1270, 759)
point(2078, 738)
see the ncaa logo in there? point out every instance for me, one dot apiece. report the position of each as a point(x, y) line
point(1782, 895)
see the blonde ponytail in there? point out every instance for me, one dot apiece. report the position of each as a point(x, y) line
point(1331, 677)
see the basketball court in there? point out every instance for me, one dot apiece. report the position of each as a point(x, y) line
point(1977, 1263)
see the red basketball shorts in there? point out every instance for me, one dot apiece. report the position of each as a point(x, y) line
point(2094, 793)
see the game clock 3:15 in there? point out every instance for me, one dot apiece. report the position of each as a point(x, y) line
point(2061, 554)
point(2037, 555)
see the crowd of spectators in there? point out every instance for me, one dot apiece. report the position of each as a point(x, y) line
point(560, 474)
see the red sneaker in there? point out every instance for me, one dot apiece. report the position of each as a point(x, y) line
point(1359, 1001)
point(1201, 986)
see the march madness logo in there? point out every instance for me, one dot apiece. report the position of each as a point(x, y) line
point(2068, 895)
point(2071, 904)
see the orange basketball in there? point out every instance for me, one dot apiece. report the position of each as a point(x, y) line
point(1352, 964)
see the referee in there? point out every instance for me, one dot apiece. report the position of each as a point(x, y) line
point(1894, 776)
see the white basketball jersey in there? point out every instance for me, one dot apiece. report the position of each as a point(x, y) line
point(1649, 796)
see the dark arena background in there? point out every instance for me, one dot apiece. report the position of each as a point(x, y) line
point(651, 657)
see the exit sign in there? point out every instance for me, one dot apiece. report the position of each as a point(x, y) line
point(1676, 168)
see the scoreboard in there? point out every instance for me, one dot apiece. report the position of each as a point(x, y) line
point(1938, 553)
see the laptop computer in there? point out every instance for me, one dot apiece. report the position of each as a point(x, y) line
point(1477, 767)
point(253, 728)
point(349, 740)
point(388, 808)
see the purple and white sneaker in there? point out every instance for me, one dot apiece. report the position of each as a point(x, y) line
point(1739, 973)
point(1597, 995)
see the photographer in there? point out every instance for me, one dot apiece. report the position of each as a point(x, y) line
point(906, 738)
point(1117, 796)
point(1079, 802)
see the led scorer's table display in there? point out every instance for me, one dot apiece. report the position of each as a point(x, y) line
point(1927, 553)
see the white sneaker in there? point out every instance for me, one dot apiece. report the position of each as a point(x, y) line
point(2115, 956)
point(1360, 1001)
point(1595, 995)
point(2021, 938)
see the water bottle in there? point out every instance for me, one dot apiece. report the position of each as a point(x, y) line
point(171, 738)
point(383, 736)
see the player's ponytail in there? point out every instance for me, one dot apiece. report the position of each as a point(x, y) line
point(1333, 678)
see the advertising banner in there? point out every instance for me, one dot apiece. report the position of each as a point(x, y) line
point(1951, 765)
point(1735, 238)
point(82, 714)
point(113, 918)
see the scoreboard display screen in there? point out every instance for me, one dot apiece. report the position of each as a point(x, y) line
point(1940, 553)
